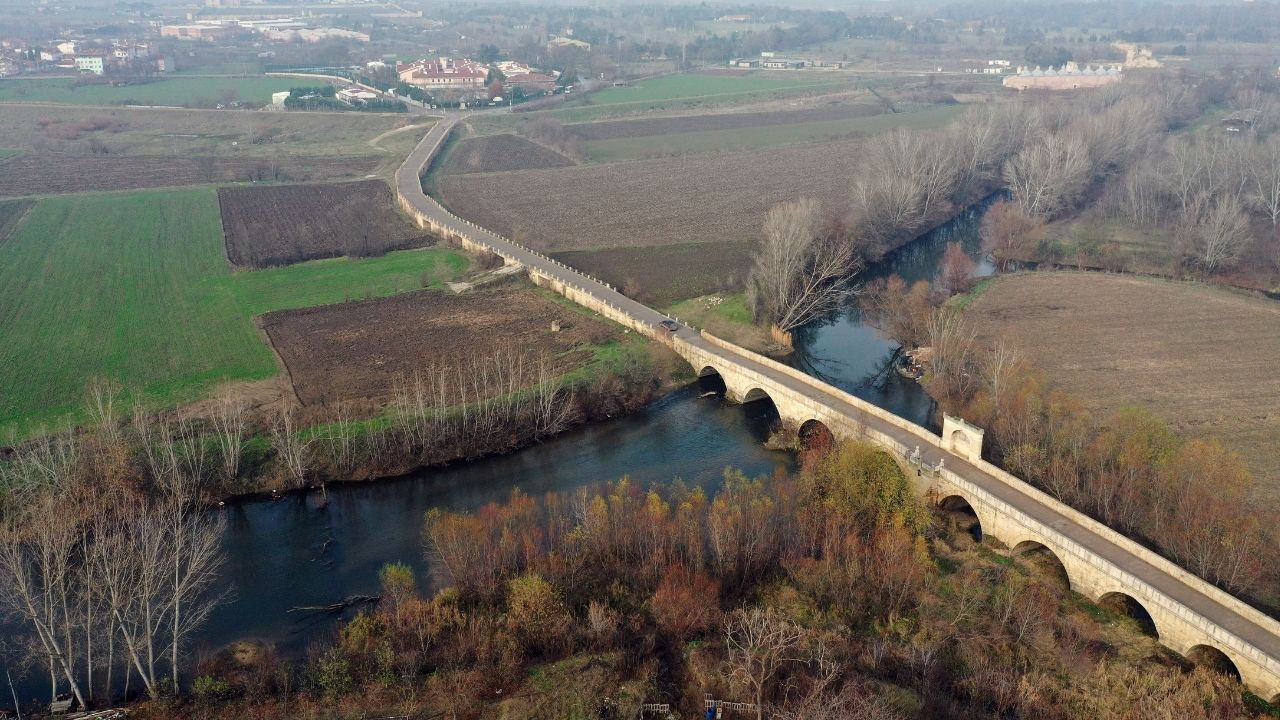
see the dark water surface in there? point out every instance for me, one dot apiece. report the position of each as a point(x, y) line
point(293, 552)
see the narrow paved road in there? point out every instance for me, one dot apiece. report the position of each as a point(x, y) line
point(1251, 627)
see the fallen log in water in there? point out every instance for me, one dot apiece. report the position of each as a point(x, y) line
point(338, 606)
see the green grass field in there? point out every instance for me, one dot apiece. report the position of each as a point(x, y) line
point(691, 91)
point(685, 85)
point(186, 92)
point(710, 141)
point(134, 288)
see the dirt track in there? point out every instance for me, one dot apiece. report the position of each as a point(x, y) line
point(1202, 358)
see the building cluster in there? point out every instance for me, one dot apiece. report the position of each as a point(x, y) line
point(434, 75)
point(993, 67)
point(96, 58)
point(1069, 77)
point(770, 60)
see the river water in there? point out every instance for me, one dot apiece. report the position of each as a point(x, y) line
point(293, 552)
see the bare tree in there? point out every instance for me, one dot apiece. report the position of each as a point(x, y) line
point(230, 424)
point(290, 447)
point(799, 271)
point(1007, 234)
point(760, 643)
point(1049, 176)
point(1219, 239)
point(1264, 170)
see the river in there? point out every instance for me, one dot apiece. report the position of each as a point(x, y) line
point(295, 552)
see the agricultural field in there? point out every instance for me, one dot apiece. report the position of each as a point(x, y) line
point(1201, 358)
point(678, 124)
point(697, 92)
point(766, 135)
point(360, 350)
point(183, 92)
point(716, 198)
point(135, 289)
point(94, 149)
point(286, 224)
point(496, 153)
point(171, 133)
point(53, 173)
point(646, 216)
point(684, 86)
point(662, 274)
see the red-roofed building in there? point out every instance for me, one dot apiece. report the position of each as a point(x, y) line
point(444, 73)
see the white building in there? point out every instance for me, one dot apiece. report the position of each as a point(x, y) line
point(90, 64)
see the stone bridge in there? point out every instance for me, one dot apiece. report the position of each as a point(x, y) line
point(1190, 615)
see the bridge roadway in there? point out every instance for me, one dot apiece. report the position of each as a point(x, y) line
point(1190, 615)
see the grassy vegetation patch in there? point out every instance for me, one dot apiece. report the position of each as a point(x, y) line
point(135, 288)
point(186, 92)
point(661, 275)
point(723, 315)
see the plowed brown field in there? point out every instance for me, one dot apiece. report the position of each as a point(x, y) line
point(361, 350)
point(1202, 358)
point(652, 202)
point(285, 224)
point(612, 129)
point(495, 153)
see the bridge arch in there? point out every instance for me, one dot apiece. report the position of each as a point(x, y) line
point(710, 380)
point(755, 394)
point(816, 436)
point(1042, 556)
point(965, 515)
point(1208, 656)
point(1124, 604)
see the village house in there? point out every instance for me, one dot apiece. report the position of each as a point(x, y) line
point(444, 74)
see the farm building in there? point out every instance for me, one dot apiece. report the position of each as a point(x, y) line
point(443, 73)
point(777, 63)
point(356, 95)
point(1069, 77)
